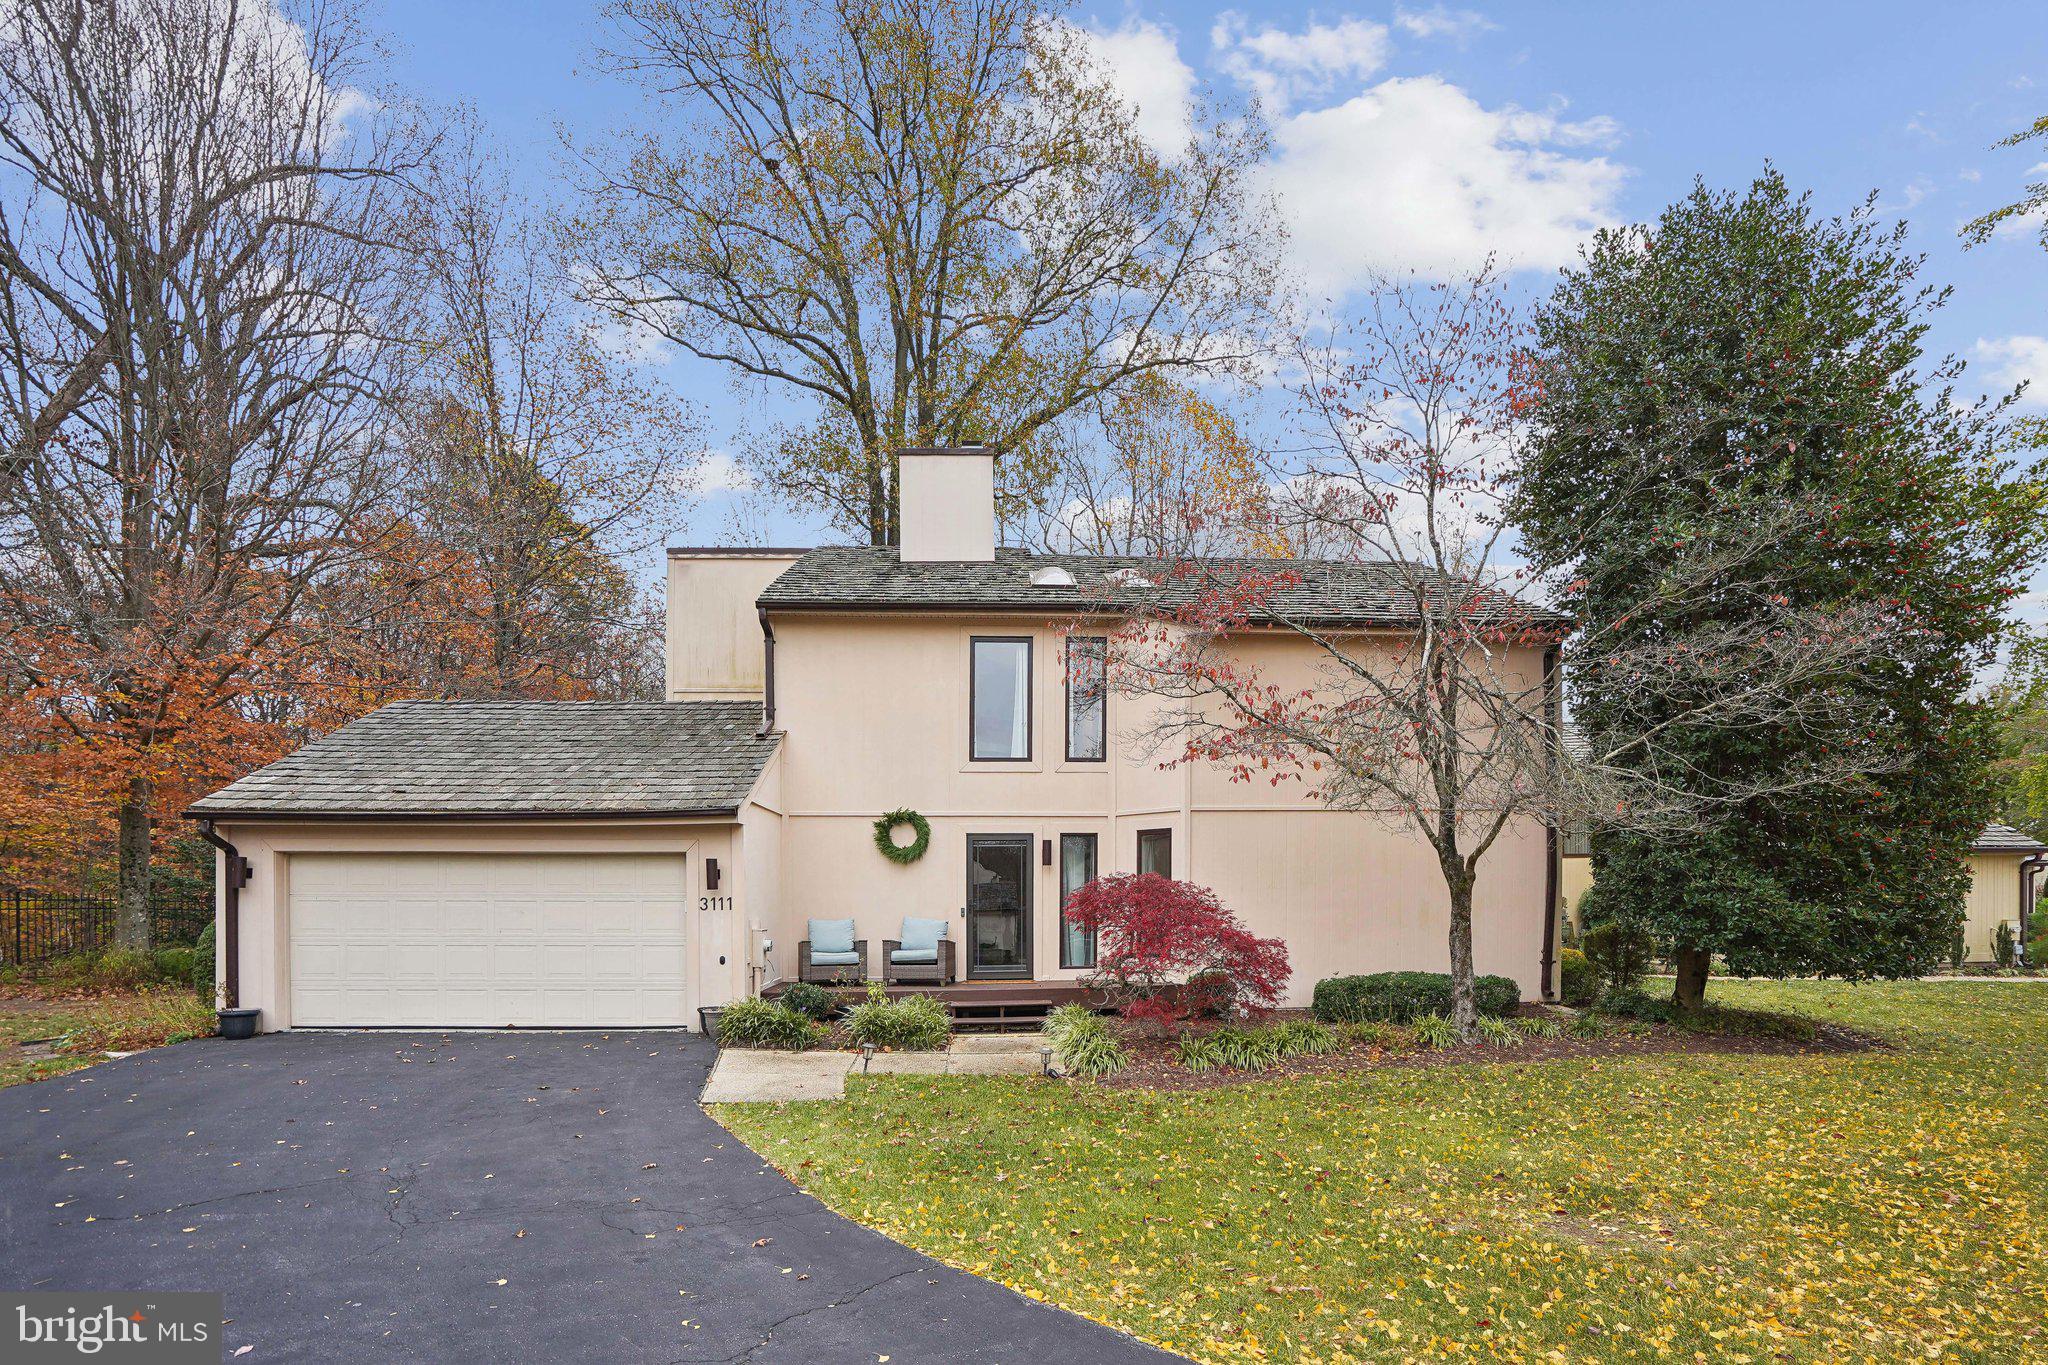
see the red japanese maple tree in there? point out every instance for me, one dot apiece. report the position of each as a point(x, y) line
point(1154, 934)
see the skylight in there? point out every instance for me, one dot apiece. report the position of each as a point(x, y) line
point(1051, 576)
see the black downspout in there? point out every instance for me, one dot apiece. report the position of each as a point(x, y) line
point(767, 673)
point(235, 874)
point(2028, 867)
point(1552, 722)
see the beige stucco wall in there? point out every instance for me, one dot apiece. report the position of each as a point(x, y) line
point(875, 713)
point(713, 630)
point(1575, 878)
point(1993, 899)
point(714, 924)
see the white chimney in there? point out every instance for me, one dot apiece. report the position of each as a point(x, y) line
point(947, 502)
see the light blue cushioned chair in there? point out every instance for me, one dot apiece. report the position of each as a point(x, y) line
point(832, 953)
point(923, 953)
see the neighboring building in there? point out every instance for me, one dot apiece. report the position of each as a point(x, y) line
point(2003, 863)
point(2004, 867)
point(448, 863)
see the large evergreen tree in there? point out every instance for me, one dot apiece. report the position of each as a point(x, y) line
point(1700, 375)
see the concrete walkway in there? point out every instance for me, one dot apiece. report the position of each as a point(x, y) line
point(747, 1076)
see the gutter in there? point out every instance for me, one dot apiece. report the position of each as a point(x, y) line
point(1553, 721)
point(235, 875)
point(293, 817)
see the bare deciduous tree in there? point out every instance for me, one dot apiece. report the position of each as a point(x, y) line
point(1155, 469)
point(1450, 727)
point(197, 307)
point(536, 455)
point(934, 219)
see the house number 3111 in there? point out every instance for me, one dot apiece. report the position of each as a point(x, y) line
point(714, 903)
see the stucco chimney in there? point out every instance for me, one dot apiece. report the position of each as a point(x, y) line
point(947, 499)
point(714, 634)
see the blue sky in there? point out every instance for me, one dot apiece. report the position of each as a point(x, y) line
point(1417, 135)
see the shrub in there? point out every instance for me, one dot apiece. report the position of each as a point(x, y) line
point(1305, 1036)
point(202, 963)
point(811, 1000)
point(1576, 985)
point(174, 964)
point(1433, 1030)
point(1374, 1033)
point(1619, 953)
point(1588, 1025)
point(1638, 1005)
point(1540, 1026)
point(1209, 995)
point(2003, 944)
point(1082, 1042)
point(1496, 1030)
point(148, 1020)
point(1402, 997)
point(755, 1022)
point(1958, 949)
point(1154, 935)
point(916, 1023)
point(121, 969)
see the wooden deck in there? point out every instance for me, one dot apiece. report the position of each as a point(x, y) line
point(988, 1005)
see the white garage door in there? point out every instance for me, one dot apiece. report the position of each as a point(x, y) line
point(447, 940)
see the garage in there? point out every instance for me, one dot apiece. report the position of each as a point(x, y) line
point(397, 940)
point(450, 864)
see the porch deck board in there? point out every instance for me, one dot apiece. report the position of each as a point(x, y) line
point(969, 994)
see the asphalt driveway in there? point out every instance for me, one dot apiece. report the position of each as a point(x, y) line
point(491, 1196)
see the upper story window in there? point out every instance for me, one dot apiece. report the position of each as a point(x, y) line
point(1087, 697)
point(1155, 851)
point(999, 699)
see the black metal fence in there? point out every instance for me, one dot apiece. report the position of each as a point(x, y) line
point(35, 927)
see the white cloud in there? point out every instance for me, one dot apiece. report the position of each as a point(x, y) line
point(1285, 67)
point(1440, 22)
point(633, 342)
point(1142, 61)
point(1414, 173)
point(719, 472)
point(2016, 360)
point(1969, 175)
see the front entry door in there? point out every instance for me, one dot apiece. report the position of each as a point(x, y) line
point(998, 906)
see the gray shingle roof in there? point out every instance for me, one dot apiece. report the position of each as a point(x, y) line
point(516, 758)
point(2006, 839)
point(1331, 592)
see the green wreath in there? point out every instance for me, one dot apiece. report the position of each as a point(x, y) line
point(885, 830)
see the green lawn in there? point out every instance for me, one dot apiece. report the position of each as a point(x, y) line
point(1872, 1206)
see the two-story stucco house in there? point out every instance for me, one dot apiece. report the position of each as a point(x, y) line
point(442, 864)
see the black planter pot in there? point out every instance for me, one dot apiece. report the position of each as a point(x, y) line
point(707, 1020)
point(239, 1023)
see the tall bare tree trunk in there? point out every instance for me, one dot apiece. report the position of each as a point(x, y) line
point(1692, 966)
point(131, 923)
point(1464, 1007)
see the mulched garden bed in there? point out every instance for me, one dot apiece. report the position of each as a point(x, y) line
point(1153, 1065)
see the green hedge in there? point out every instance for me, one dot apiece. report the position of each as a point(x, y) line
point(1402, 997)
point(1577, 984)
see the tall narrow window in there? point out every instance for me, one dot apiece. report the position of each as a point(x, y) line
point(1155, 851)
point(1077, 869)
point(1087, 697)
point(999, 698)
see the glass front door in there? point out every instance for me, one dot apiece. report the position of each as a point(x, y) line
point(998, 906)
